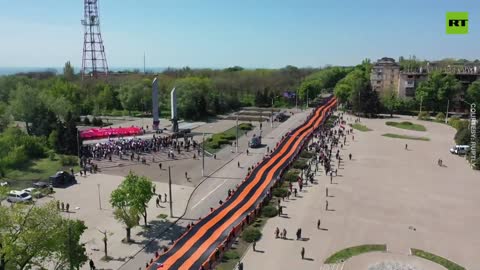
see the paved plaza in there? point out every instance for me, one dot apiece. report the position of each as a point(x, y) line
point(384, 195)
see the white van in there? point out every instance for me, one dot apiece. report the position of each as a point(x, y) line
point(460, 149)
point(18, 196)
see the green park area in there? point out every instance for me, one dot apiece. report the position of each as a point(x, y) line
point(360, 127)
point(406, 137)
point(406, 125)
point(347, 253)
point(437, 259)
point(219, 140)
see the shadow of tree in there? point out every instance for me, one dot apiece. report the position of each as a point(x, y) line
point(158, 231)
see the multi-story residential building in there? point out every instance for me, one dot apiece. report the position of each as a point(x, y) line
point(385, 74)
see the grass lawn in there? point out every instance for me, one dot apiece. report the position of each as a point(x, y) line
point(35, 170)
point(347, 253)
point(219, 140)
point(360, 127)
point(406, 125)
point(399, 136)
point(437, 259)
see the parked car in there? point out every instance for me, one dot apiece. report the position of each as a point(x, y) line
point(18, 196)
point(61, 179)
point(3, 184)
point(460, 149)
point(35, 193)
point(41, 185)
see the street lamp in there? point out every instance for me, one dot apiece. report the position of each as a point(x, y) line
point(271, 122)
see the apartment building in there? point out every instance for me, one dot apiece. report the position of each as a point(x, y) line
point(385, 75)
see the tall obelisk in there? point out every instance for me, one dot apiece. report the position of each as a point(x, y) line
point(156, 120)
point(173, 100)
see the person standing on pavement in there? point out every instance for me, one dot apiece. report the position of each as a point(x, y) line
point(299, 234)
point(92, 264)
point(318, 224)
point(302, 252)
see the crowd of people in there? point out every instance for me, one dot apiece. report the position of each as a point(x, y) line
point(135, 149)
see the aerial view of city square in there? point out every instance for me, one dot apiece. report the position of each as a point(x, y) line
point(239, 135)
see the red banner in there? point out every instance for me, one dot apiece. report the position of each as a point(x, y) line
point(99, 133)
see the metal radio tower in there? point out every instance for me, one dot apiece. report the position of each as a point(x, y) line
point(94, 61)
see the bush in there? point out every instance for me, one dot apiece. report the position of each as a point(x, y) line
point(51, 154)
point(280, 192)
point(291, 175)
point(245, 126)
point(300, 164)
point(440, 117)
point(68, 160)
point(231, 255)
point(406, 123)
point(86, 121)
point(306, 154)
point(269, 211)
point(16, 157)
point(251, 235)
point(463, 136)
point(458, 123)
point(228, 136)
point(423, 116)
point(97, 122)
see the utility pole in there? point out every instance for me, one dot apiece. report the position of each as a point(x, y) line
point(307, 98)
point(78, 146)
point(421, 102)
point(271, 116)
point(144, 70)
point(170, 191)
point(236, 139)
point(446, 115)
point(296, 101)
point(99, 201)
point(203, 155)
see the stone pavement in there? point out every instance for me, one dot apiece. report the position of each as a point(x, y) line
point(378, 198)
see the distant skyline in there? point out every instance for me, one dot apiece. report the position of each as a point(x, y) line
point(247, 33)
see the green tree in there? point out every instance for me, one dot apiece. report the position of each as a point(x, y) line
point(4, 116)
point(436, 90)
point(33, 236)
point(132, 197)
point(68, 72)
point(70, 253)
point(23, 105)
point(473, 93)
point(390, 101)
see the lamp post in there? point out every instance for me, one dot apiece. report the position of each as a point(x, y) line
point(236, 137)
point(271, 120)
point(170, 191)
point(99, 200)
point(446, 115)
point(203, 155)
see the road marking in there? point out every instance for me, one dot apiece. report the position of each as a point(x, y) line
point(210, 193)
